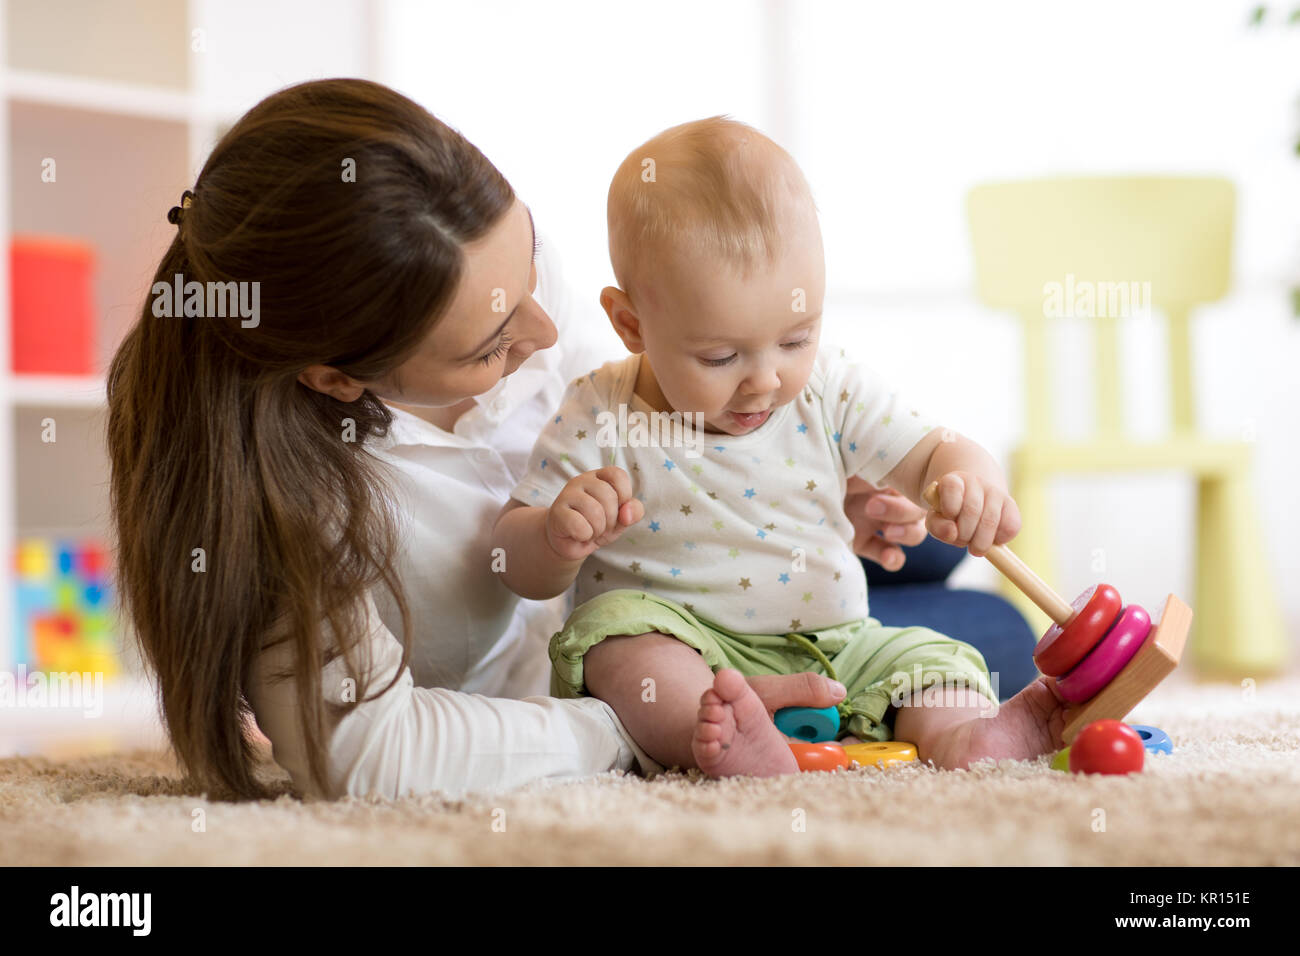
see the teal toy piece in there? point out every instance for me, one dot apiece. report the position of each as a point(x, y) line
point(1155, 740)
point(808, 723)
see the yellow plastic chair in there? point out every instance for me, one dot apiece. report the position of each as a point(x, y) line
point(1033, 240)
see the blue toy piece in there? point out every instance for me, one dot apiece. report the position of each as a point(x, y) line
point(1155, 740)
point(808, 723)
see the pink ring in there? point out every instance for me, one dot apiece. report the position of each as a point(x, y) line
point(1108, 658)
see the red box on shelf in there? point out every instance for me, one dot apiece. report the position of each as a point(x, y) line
point(52, 326)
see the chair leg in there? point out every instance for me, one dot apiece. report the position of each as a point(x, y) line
point(1237, 631)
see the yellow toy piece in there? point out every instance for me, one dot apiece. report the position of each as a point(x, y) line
point(881, 753)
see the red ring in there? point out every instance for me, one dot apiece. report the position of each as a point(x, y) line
point(1061, 648)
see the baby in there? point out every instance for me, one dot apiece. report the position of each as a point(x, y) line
point(694, 490)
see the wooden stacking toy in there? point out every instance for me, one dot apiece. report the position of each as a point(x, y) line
point(1106, 656)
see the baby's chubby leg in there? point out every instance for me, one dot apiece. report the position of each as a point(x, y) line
point(667, 697)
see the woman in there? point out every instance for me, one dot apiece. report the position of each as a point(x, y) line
point(302, 500)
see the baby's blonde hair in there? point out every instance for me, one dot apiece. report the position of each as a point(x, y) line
point(706, 190)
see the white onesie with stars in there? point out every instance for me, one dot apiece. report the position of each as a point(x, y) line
point(746, 532)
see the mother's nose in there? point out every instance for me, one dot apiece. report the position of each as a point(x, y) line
point(534, 329)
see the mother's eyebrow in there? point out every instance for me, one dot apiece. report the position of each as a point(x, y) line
point(488, 341)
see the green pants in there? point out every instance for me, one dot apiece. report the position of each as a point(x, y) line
point(878, 665)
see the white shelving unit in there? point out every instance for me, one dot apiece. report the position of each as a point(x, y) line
point(106, 90)
point(128, 96)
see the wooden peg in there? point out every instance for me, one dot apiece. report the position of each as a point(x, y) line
point(1017, 572)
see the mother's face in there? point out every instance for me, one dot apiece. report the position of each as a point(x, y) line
point(491, 326)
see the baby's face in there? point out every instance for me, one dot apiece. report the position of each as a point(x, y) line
point(731, 348)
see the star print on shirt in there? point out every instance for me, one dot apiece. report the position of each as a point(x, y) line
point(686, 510)
point(654, 525)
point(581, 433)
point(795, 624)
point(807, 596)
point(811, 486)
point(784, 578)
point(802, 429)
point(675, 571)
point(635, 567)
point(744, 584)
point(668, 464)
point(599, 575)
point(750, 492)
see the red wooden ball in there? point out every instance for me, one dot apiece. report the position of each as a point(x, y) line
point(1107, 746)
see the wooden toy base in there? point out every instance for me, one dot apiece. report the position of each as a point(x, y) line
point(1154, 661)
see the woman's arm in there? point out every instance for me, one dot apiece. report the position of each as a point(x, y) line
point(413, 740)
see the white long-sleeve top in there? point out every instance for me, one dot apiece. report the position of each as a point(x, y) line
point(435, 729)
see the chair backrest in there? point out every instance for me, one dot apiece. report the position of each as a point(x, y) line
point(1103, 249)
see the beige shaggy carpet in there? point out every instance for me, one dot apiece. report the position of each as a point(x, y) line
point(1226, 796)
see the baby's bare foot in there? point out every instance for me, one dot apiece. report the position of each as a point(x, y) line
point(1029, 724)
point(735, 735)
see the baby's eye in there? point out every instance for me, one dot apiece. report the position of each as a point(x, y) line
point(715, 362)
point(806, 340)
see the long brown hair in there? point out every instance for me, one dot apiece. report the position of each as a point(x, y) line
point(349, 204)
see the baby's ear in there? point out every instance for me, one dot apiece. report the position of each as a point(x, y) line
point(621, 315)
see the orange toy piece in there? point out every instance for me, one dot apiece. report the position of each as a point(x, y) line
point(820, 756)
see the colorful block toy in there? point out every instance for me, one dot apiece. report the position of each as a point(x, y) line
point(63, 616)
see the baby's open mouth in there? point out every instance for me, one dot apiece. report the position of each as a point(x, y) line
point(749, 419)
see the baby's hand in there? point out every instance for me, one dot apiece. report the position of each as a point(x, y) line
point(973, 513)
point(591, 511)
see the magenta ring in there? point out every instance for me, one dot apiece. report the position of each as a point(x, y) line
point(1108, 658)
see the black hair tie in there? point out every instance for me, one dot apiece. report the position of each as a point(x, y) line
point(176, 213)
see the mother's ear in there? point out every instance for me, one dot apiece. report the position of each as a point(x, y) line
point(330, 381)
point(622, 316)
